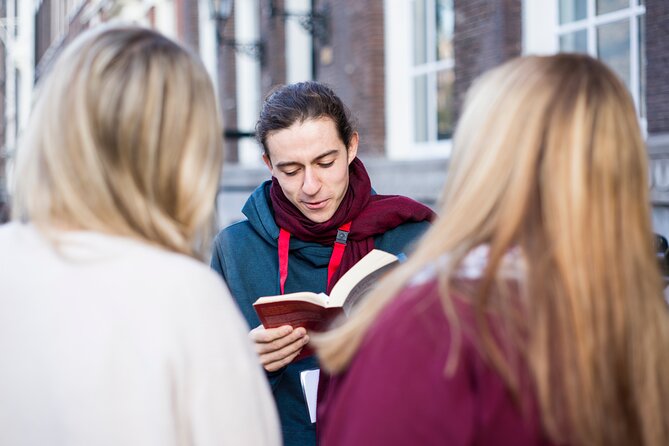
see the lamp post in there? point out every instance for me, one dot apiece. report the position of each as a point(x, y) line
point(315, 22)
point(220, 10)
point(220, 13)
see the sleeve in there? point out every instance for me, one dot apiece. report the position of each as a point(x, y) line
point(403, 238)
point(396, 391)
point(225, 396)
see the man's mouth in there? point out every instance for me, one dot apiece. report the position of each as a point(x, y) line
point(315, 205)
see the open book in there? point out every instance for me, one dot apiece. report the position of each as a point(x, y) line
point(315, 311)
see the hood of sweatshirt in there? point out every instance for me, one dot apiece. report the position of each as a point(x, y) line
point(260, 214)
point(258, 210)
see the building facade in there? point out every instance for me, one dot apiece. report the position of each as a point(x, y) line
point(402, 66)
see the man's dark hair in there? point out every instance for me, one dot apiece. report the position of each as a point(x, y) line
point(288, 104)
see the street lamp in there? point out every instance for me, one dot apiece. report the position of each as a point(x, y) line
point(220, 10)
point(220, 13)
point(316, 23)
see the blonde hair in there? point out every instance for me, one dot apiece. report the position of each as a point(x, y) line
point(124, 139)
point(548, 157)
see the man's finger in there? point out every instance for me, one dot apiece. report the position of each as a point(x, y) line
point(273, 367)
point(263, 335)
point(280, 343)
point(284, 355)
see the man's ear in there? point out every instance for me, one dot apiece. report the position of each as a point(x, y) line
point(352, 150)
point(268, 162)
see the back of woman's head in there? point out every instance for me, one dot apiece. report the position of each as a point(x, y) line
point(549, 158)
point(124, 139)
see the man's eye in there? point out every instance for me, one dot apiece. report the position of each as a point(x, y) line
point(326, 165)
point(290, 173)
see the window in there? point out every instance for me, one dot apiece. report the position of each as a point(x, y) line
point(432, 70)
point(613, 31)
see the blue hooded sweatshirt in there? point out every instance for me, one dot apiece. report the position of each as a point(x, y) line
point(246, 255)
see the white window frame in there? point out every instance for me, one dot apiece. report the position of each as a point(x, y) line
point(247, 29)
point(542, 31)
point(299, 47)
point(400, 74)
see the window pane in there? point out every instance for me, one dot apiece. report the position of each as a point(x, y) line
point(420, 108)
point(642, 67)
point(604, 6)
point(576, 42)
point(445, 104)
point(572, 10)
point(419, 34)
point(445, 24)
point(613, 47)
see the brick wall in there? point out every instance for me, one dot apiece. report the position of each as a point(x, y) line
point(187, 23)
point(353, 64)
point(487, 33)
point(227, 82)
point(42, 30)
point(273, 34)
point(657, 74)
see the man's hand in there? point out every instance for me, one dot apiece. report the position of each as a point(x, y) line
point(278, 346)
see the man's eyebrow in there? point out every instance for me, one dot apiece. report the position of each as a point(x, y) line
point(287, 163)
point(326, 154)
point(283, 164)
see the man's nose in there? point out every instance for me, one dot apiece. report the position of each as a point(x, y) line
point(312, 183)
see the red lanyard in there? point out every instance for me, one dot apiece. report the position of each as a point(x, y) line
point(335, 258)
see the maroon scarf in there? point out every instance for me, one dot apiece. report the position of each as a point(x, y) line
point(372, 215)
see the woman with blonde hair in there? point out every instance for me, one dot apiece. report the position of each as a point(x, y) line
point(532, 310)
point(112, 331)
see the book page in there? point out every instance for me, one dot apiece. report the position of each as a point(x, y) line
point(373, 261)
point(319, 299)
point(309, 381)
point(364, 286)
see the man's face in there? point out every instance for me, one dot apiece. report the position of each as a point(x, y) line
point(310, 162)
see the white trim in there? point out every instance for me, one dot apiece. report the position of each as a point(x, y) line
point(431, 102)
point(399, 118)
point(539, 26)
point(247, 30)
point(298, 43)
point(432, 67)
point(400, 74)
point(591, 21)
point(634, 61)
point(207, 40)
point(542, 32)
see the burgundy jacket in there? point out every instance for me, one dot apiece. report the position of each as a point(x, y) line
point(396, 391)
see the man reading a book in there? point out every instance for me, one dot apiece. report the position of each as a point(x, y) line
point(305, 228)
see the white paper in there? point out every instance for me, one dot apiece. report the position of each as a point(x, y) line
point(309, 381)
